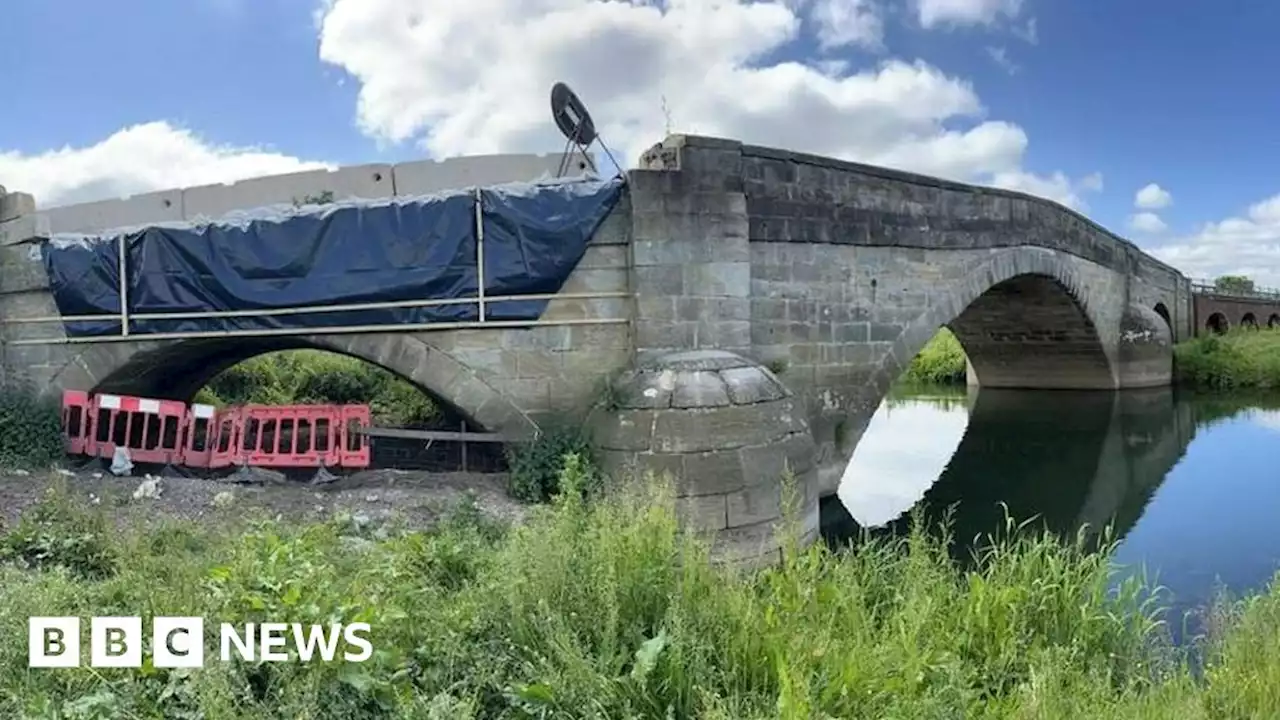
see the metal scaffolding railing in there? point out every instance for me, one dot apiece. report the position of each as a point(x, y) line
point(1208, 287)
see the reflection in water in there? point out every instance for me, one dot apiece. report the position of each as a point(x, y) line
point(1074, 459)
point(891, 469)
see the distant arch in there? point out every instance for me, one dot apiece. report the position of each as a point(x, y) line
point(1217, 323)
point(1249, 321)
point(1273, 321)
point(178, 369)
point(1163, 312)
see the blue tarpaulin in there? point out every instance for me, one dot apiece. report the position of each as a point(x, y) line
point(372, 252)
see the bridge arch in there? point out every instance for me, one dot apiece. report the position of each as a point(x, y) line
point(983, 313)
point(1163, 311)
point(1217, 323)
point(1249, 321)
point(178, 369)
point(1273, 321)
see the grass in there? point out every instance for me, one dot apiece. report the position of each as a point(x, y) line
point(1244, 359)
point(940, 362)
point(606, 610)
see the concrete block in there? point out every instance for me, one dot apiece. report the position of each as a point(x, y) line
point(145, 209)
point(426, 177)
point(300, 188)
point(23, 229)
point(23, 278)
point(16, 204)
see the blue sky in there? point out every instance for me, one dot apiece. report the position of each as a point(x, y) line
point(1083, 102)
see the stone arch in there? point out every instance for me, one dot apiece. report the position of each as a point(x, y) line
point(1273, 321)
point(178, 369)
point(1217, 323)
point(1007, 273)
point(1249, 321)
point(1163, 311)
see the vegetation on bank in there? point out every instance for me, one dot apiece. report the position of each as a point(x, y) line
point(1241, 358)
point(606, 610)
point(940, 362)
point(314, 376)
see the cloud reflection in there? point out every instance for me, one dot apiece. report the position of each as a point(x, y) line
point(902, 453)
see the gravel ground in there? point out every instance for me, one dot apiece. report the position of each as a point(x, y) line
point(415, 498)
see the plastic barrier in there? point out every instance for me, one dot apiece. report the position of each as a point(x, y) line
point(355, 449)
point(198, 435)
point(224, 444)
point(75, 421)
point(149, 429)
point(290, 435)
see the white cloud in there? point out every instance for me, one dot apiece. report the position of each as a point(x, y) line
point(1147, 222)
point(1152, 197)
point(473, 77)
point(1248, 245)
point(1054, 187)
point(935, 13)
point(848, 22)
point(1000, 56)
point(140, 158)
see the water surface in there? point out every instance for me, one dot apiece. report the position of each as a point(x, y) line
point(1189, 484)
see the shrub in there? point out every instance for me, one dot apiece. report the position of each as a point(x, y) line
point(941, 361)
point(30, 428)
point(536, 466)
point(1239, 359)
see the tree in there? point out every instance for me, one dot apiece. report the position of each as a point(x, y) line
point(1234, 284)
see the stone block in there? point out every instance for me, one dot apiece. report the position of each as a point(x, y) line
point(658, 280)
point(711, 473)
point(16, 204)
point(755, 504)
point(717, 279)
point(699, 389)
point(625, 430)
point(23, 229)
point(706, 512)
point(750, 385)
point(734, 426)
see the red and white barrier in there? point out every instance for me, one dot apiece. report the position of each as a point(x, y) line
point(202, 436)
point(75, 421)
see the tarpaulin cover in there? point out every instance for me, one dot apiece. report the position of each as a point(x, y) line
point(372, 252)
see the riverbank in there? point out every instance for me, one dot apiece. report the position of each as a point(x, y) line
point(606, 610)
point(1240, 359)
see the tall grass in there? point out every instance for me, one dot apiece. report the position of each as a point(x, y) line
point(1238, 359)
point(606, 610)
point(940, 362)
point(314, 376)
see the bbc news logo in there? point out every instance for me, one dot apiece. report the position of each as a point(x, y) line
point(179, 642)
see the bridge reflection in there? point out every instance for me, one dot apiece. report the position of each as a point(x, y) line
point(1067, 459)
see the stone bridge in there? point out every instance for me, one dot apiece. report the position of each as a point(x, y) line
point(760, 302)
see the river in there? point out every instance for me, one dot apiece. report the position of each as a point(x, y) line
point(1190, 484)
